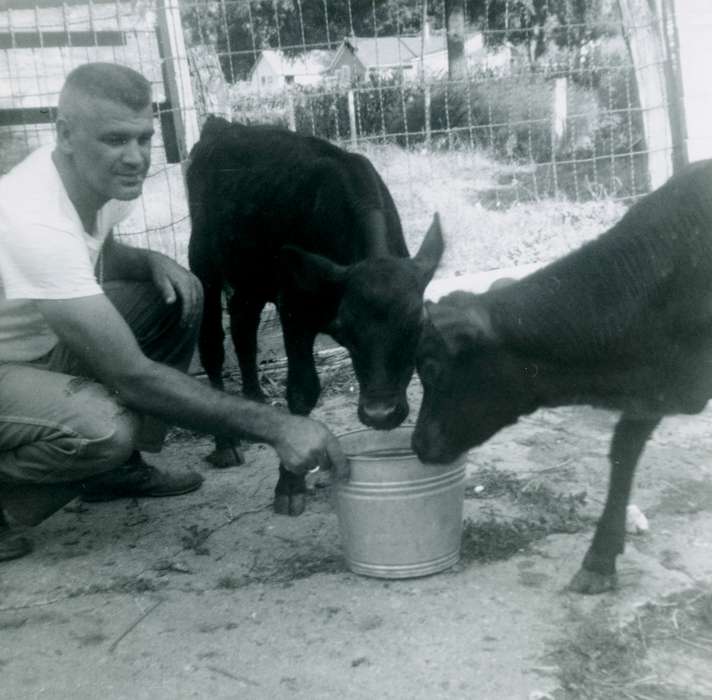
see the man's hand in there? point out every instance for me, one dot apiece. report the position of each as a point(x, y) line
point(304, 444)
point(175, 282)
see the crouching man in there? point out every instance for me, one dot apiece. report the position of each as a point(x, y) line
point(96, 336)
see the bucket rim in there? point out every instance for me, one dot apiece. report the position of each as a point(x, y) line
point(403, 427)
point(408, 453)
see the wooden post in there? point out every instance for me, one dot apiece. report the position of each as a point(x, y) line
point(424, 30)
point(559, 113)
point(693, 19)
point(673, 83)
point(291, 112)
point(179, 89)
point(455, 25)
point(645, 43)
point(428, 128)
point(352, 119)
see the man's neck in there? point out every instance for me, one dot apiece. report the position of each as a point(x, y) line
point(85, 202)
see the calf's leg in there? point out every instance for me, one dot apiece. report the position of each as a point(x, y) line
point(290, 493)
point(303, 386)
point(212, 357)
point(598, 571)
point(245, 310)
point(212, 336)
point(302, 393)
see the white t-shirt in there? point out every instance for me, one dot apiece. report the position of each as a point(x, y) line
point(45, 253)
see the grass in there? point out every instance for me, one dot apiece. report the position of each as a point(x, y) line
point(460, 184)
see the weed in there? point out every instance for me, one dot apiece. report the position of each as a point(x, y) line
point(601, 658)
point(230, 583)
point(118, 584)
point(598, 659)
point(491, 539)
point(195, 538)
point(544, 512)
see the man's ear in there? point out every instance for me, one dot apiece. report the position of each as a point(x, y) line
point(311, 274)
point(64, 135)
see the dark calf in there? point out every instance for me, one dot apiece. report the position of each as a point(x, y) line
point(295, 220)
point(623, 323)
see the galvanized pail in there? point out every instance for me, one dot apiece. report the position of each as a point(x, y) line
point(398, 517)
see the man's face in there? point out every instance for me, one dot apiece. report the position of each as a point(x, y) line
point(111, 148)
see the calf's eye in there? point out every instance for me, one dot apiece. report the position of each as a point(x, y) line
point(429, 371)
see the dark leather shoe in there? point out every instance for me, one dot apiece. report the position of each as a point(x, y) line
point(12, 545)
point(139, 480)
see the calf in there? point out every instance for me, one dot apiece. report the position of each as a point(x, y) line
point(293, 219)
point(623, 323)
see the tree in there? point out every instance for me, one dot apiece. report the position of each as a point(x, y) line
point(239, 30)
point(538, 25)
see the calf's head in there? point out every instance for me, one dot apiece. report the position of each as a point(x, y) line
point(373, 308)
point(472, 385)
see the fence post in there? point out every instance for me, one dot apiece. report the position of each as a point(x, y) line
point(643, 36)
point(177, 76)
point(291, 112)
point(352, 118)
point(693, 19)
point(455, 23)
point(559, 113)
point(428, 129)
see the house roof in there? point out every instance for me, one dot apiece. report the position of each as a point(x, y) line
point(371, 52)
point(435, 43)
point(389, 51)
point(312, 62)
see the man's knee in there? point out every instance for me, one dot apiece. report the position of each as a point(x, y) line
point(113, 441)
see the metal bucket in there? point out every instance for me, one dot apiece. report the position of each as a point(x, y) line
point(398, 517)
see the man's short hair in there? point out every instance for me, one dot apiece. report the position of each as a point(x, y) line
point(108, 81)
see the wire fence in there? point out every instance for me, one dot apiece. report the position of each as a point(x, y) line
point(555, 91)
point(463, 106)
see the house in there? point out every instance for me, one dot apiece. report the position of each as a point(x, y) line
point(274, 70)
point(409, 55)
point(360, 58)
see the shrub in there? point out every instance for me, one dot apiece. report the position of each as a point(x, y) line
point(508, 115)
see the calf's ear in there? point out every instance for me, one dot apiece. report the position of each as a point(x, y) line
point(310, 273)
point(431, 250)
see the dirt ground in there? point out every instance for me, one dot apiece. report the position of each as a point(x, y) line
point(211, 595)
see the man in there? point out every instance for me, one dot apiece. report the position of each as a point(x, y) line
point(95, 336)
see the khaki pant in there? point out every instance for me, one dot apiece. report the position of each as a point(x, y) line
point(58, 425)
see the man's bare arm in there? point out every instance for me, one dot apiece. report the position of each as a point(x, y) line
point(123, 262)
point(95, 331)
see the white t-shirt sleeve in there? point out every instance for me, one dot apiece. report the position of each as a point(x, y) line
point(46, 263)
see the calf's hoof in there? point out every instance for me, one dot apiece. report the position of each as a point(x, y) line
point(290, 493)
point(290, 503)
point(225, 457)
point(589, 582)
